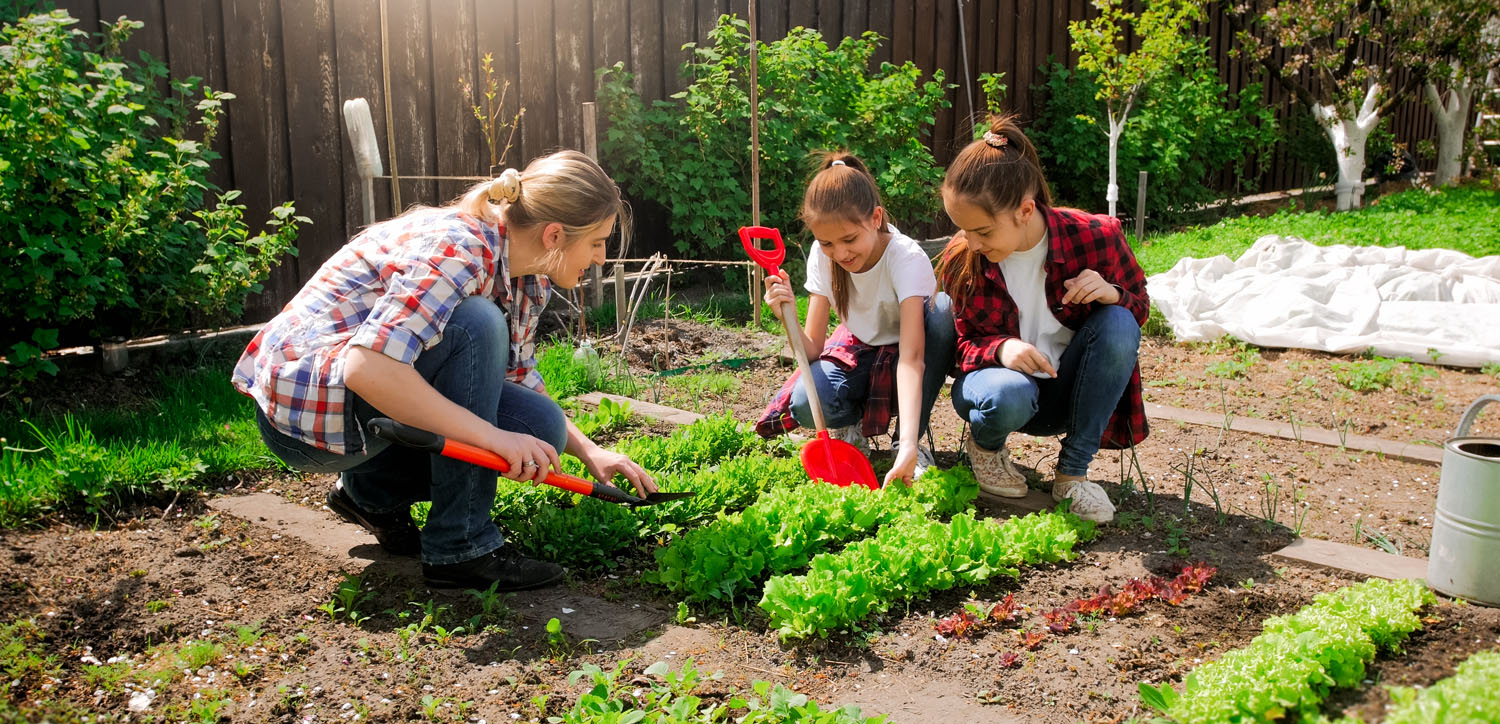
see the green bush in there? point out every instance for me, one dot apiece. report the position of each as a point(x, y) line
point(1184, 134)
point(692, 154)
point(102, 196)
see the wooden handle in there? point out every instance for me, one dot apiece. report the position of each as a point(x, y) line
point(789, 320)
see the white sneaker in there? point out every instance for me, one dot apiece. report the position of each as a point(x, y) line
point(1090, 502)
point(853, 435)
point(996, 474)
point(924, 461)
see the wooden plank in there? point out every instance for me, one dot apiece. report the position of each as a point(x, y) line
point(459, 143)
point(356, 41)
point(965, 118)
point(85, 11)
point(1411, 452)
point(830, 21)
point(854, 17)
point(660, 413)
point(800, 14)
point(495, 32)
point(924, 37)
point(1361, 562)
point(195, 43)
point(1025, 39)
point(880, 19)
point(150, 39)
point(772, 18)
point(903, 31)
point(255, 73)
point(1060, 42)
point(645, 44)
point(707, 14)
point(409, 31)
point(984, 42)
point(946, 55)
point(538, 78)
point(575, 68)
point(314, 114)
point(1005, 51)
point(677, 28)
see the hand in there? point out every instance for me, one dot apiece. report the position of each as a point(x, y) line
point(778, 292)
point(905, 467)
point(603, 464)
point(519, 449)
point(1089, 287)
point(1025, 358)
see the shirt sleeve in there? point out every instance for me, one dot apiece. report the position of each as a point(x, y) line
point(420, 296)
point(818, 281)
point(912, 276)
point(1128, 276)
point(979, 333)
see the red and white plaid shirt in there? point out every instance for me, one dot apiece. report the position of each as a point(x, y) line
point(391, 289)
point(1076, 241)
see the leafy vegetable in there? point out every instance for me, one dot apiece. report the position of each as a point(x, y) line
point(1466, 696)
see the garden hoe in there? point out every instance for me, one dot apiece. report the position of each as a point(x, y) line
point(388, 429)
point(826, 459)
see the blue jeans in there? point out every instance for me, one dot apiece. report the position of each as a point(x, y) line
point(843, 392)
point(468, 367)
point(1091, 377)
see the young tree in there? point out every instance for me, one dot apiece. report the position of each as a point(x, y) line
point(1324, 68)
point(1101, 44)
point(1457, 43)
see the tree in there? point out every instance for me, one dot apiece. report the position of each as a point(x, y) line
point(1457, 43)
point(1324, 67)
point(1101, 45)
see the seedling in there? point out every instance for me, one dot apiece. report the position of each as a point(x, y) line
point(348, 598)
point(557, 641)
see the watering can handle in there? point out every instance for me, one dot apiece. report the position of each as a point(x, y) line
point(1472, 413)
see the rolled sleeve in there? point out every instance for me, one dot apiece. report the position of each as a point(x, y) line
point(417, 303)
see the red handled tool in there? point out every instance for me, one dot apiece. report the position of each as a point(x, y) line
point(826, 459)
point(388, 429)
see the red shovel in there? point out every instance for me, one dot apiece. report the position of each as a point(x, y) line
point(826, 459)
point(415, 437)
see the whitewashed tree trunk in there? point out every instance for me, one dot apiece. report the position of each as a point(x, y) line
point(1348, 136)
point(1116, 127)
point(1450, 109)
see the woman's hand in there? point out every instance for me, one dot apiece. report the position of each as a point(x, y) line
point(529, 458)
point(1089, 287)
point(778, 292)
point(1025, 358)
point(603, 464)
point(905, 467)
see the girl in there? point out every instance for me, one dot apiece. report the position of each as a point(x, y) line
point(429, 319)
point(882, 285)
point(1048, 305)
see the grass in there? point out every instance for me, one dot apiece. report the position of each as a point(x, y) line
point(95, 460)
point(1464, 219)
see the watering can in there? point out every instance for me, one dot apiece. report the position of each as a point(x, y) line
point(1461, 561)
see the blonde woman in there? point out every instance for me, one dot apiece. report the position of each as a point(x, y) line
point(429, 319)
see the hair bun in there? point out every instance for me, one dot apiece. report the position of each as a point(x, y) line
point(506, 187)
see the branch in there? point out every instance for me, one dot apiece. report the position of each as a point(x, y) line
point(1304, 94)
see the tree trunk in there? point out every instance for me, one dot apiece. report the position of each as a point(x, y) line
point(1348, 136)
point(1112, 192)
point(1451, 110)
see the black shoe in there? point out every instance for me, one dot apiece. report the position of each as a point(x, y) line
point(395, 531)
point(513, 571)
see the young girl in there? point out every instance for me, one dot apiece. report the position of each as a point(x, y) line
point(1048, 304)
point(882, 285)
point(428, 319)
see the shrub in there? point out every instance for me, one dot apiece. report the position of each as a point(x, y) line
point(691, 155)
point(1185, 134)
point(102, 196)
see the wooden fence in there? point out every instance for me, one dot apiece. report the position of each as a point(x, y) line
point(291, 64)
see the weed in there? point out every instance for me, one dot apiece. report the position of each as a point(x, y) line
point(248, 634)
point(557, 641)
point(1177, 538)
point(243, 670)
point(1238, 366)
point(198, 654)
point(1299, 496)
point(348, 598)
point(1492, 369)
point(1270, 500)
point(1228, 416)
point(157, 606)
point(492, 606)
point(1381, 373)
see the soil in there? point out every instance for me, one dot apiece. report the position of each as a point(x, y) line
point(129, 598)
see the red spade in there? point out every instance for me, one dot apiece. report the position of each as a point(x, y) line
point(826, 459)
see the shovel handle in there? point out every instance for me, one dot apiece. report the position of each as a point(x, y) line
point(789, 321)
point(388, 429)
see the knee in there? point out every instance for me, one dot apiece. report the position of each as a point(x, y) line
point(481, 322)
point(1116, 331)
point(938, 320)
point(1003, 399)
point(801, 408)
point(551, 426)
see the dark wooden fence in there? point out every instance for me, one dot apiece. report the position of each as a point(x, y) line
point(292, 63)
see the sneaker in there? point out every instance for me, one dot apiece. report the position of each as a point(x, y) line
point(924, 461)
point(853, 435)
point(1090, 502)
point(394, 531)
point(996, 474)
point(503, 566)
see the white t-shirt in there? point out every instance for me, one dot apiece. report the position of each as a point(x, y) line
point(875, 296)
point(1025, 278)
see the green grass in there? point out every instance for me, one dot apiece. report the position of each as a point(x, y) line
point(1464, 219)
point(93, 461)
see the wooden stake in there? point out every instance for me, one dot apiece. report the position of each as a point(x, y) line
point(591, 147)
point(757, 276)
point(1140, 211)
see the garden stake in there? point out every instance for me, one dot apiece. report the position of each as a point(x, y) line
point(826, 459)
point(388, 429)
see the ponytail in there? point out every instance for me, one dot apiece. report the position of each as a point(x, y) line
point(996, 172)
point(844, 189)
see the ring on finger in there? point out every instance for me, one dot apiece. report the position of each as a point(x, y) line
point(529, 464)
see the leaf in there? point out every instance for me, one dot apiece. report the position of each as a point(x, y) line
point(659, 668)
point(1158, 699)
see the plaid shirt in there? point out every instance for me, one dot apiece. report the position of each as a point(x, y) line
point(1077, 241)
point(842, 349)
point(391, 289)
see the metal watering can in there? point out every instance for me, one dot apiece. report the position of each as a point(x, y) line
point(1464, 558)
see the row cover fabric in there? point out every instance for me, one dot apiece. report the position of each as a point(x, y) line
point(1432, 305)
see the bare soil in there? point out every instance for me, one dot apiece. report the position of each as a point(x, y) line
point(140, 593)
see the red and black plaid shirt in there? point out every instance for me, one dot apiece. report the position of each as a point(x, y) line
point(1076, 241)
point(842, 349)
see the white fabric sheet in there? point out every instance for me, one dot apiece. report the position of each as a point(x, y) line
point(1286, 292)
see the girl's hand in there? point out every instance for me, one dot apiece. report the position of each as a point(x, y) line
point(1025, 358)
point(905, 467)
point(1089, 287)
point(778, 292)
point(530, 459)
point(603, 464)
